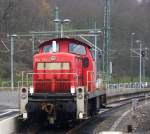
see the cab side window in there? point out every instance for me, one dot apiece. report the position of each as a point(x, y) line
point(77, 49)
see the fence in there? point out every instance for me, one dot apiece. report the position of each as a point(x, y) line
point(126, 87)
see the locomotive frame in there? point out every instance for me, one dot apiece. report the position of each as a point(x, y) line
point(80, 102)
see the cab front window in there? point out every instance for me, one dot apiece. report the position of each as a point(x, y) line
point(49, 48)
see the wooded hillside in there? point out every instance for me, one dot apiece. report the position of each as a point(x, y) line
point(127, 16)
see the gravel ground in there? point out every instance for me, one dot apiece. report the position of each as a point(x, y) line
point(120, 119)
point(102, 122)
point(138, 118)
point(109, 119)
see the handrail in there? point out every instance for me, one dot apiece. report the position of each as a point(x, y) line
point(32, 73)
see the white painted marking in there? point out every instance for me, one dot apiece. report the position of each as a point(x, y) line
point(9, 125)
point(13, 109)
point(114, 105)
point(5, 113)
point(114, 126)
point(111, 132)
point(103, 110)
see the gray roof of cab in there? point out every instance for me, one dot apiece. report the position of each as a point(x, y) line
point(70, 39)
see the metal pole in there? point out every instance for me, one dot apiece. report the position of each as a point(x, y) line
point(105, 37)
point(95, 48)
point(95, 38)
point(143, 69)
point(22, 77)
point(61, 31)
point(56, 18)
point(12, 62)
point(140, 64)
point(132, 42)
point(110, 68)
point(33, 44)
point(106, 46)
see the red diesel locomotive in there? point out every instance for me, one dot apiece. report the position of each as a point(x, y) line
point(64, 82)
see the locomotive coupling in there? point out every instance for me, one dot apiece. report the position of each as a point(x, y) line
point(50, 110)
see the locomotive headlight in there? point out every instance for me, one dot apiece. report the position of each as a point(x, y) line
point(80, 96)
point(72, 90)
point(24, 90)
point(31, 90)
point(23, 93)
point(23, 96)
point(80, 115)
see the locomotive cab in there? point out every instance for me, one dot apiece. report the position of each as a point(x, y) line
point(61, 65)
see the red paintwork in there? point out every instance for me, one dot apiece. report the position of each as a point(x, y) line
point(55, 81)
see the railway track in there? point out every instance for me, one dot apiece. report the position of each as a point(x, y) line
point(105, 120)
point(101, 122)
